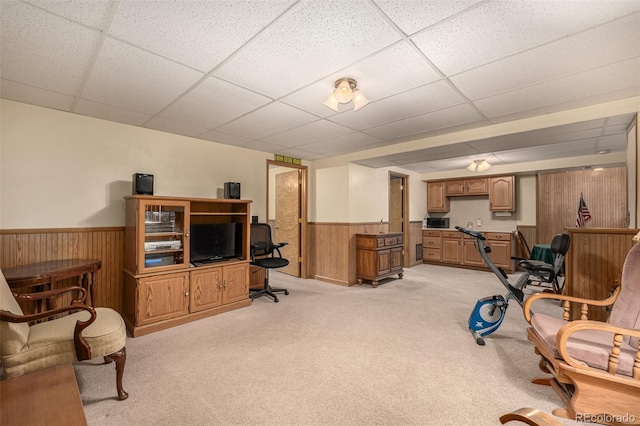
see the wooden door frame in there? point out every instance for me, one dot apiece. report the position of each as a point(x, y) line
point(405, 212)
point(304, 252)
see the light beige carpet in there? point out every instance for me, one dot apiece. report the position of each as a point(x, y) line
point(400, 354)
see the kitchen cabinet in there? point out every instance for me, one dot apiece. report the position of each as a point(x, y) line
point(457, 249)
point(431, 245)
point(476, 186)
point(502, 193)
point(436, 198)
point(378, 256)
point(451, 247)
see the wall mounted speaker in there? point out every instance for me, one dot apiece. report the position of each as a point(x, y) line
point(142, 183)
point(232, 190)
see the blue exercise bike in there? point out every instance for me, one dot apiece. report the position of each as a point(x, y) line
point(489, 312)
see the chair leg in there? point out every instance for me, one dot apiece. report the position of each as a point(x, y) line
point(120, 358)
point(268, 290)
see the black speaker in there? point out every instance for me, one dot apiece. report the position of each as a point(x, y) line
point(232, 190)
point(142, 183)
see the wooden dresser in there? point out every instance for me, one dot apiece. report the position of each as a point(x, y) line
point(378, 256)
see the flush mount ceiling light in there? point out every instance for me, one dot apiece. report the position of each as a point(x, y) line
point(346, 91)
point(478, 165)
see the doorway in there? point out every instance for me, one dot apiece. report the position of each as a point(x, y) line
point(398, 210)
point(286, 213)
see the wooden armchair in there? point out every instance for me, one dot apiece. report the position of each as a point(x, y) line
point(594, 366)
point(86, 333)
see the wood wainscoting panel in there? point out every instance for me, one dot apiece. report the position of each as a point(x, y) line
point(25, 246)
point(605, 192)
point(594, 264)
point(332, 250)
point(415, 238)
point(530, 233)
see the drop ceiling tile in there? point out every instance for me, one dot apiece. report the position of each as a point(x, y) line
point(539, 153)
point(414, 102)
point(418, 14)
point(604, 80)
point(301, 153)
point(176, 127)
point(271, 119)
point(408, 67)
point(308, 133)
point(461, 162)
point(606, 44)
point(43, 50)
point(619, 129)
point(620, 119)
point(376, 162)
point(106, 112)
point(449, 117)
point(200, 34)
point(431, 154)
point(486, 33)
point(214, 102)
point(328, 36)
point(35, 96)
point(226, 138)
point(614, 143)
point(343, 144)
point(127, 77)
point(93, 14)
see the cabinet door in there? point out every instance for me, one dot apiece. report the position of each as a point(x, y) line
point(501, 253)
point(471, 255)
point(502, 193)
point(235, 285)
point(396, 259)
point(206, 289)
point(454, 187)
point(162, 297)
point(478, 186)
point(163, 235)
point(436, 199)
point(451, 250)
point(384, 262)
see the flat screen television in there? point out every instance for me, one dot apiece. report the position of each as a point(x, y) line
point(210, 242)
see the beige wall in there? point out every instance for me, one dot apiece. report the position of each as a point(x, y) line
point(62, 170)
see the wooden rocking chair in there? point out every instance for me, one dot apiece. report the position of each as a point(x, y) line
point(594, 366)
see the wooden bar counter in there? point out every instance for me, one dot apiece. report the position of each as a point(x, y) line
point(594, 264)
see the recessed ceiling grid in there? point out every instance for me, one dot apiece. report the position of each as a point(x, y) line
point(255, 73)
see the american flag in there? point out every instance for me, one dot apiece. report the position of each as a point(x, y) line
point(583, 213)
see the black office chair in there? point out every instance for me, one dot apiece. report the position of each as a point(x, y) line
point(544, 274)
point(265, 254)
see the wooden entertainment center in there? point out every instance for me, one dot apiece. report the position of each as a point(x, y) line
point(162, 288)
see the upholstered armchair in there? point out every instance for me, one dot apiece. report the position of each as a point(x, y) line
point(27, 345)
point(594, 366)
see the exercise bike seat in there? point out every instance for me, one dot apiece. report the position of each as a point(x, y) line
point(535, 265)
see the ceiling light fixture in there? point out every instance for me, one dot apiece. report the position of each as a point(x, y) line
point(346, 91)
point(478, 165)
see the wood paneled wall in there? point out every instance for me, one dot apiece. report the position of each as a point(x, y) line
point(605, 192)
point(594, 264)
point(332, 248)
point(21, 247)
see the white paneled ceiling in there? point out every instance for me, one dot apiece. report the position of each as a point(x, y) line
point(255, 73)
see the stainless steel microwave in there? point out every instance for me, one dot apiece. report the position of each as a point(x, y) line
point(437, 222)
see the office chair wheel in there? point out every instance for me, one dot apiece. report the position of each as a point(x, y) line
point(275, 299)
point(286, 292)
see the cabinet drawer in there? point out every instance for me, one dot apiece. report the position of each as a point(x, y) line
point(431, 242)
point(431, 254)
point(391, 241)
point(431, 234)
point(498, 236)
point(451, 234)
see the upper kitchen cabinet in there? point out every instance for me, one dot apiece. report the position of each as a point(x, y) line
point(437, 201)
point(477, 186)
point(502, 193)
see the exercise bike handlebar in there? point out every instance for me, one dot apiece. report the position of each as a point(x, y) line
point(475, 234)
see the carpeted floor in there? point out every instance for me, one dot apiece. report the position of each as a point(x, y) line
point(400, 354)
